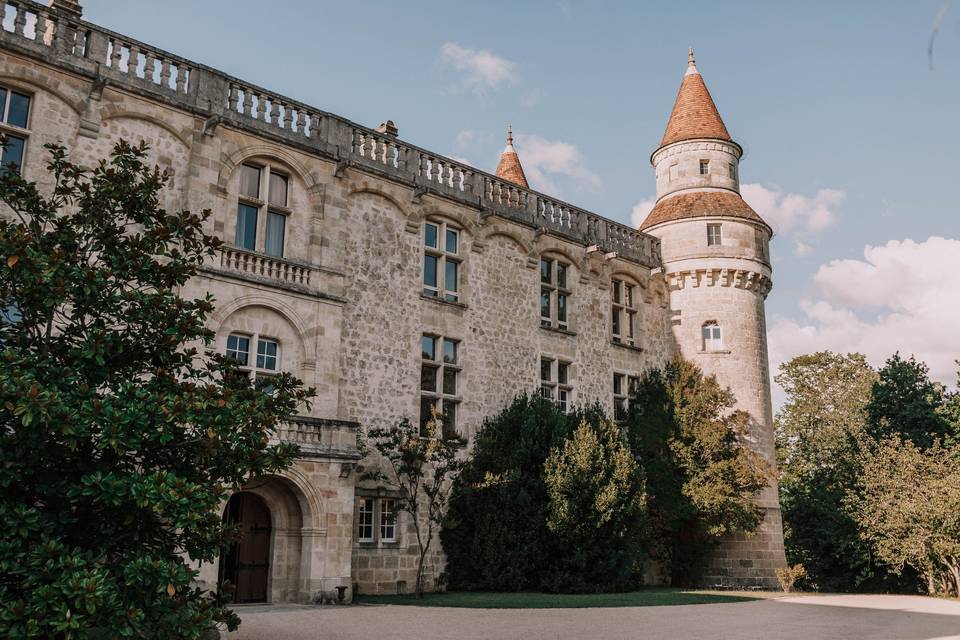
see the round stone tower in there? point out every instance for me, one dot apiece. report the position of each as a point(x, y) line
point(716, 259)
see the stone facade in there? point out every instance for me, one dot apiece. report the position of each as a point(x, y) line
point(345, 301)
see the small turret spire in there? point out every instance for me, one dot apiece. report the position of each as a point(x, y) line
point(509, 166)
point(694, 114)
point(691, 64)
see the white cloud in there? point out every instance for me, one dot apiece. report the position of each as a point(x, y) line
point(801, 248)
point(481, 68)
point(640, 211)
point(469, 138)
point(791, 211)
point(551, 165)
point(903, 296)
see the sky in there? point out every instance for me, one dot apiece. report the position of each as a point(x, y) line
point(851, 138)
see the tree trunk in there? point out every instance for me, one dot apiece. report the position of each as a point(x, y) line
point(420, 563)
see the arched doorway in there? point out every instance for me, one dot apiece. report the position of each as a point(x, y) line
point(246, 564)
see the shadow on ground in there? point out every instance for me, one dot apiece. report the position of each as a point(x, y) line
point(525, 600)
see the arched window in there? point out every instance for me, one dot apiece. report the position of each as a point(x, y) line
point(441, 261)
point(256, 354)
point(262, 209)
point(712, 336)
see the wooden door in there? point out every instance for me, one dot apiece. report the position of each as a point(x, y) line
point(247, 563)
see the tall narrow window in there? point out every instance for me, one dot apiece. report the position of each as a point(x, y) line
point(554, 293)
point(556, 382)
point(704, 167)
point(262, 188)
point(714, 237)
point(760, 240)
point(439, 388)
point(733, 170)
point(365, 519)
point(14, 118)
point(441, 261)
point(623, 312)
point(388, 520)
point(712, 337)
point(624, 387)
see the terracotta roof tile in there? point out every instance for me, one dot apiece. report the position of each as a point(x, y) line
point(509, 166)
point(701, 204)
point(694, 114)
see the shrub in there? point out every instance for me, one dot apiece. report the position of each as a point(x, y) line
point(789, 576)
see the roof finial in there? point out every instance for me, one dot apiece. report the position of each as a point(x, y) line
point(690, 57)
point(509, 134)
point(691, 65)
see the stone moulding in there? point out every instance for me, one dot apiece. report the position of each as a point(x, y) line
point(739, 278)
point(62, 39)
point(320, 437)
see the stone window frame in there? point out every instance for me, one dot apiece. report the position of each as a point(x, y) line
point(556, 382)
point(444, 368)
point(714, 234)
point(760, 244)
point(732, 168)
point(253, 351)
point(704, 167)
point(16, 131)
point(375, 499)
point(624, 310)
point(443, 257)
point(555, 288)
point(264, 206)
point(711, 335)
point(386, 524)
point(623, 388)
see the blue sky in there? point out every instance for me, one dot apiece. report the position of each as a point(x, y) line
point(851, 139)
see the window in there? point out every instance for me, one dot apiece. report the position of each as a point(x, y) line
point(441, 261)
point(267, 360)
point(439, 392)
point(761, 242)
point(704, 167)
point(365, 520)
point(733, 170)
point(554, 293)
point(712, 338)
point(262, 188)
point(556, 383)
point(623, 313)
point(388, 520)
point(14, 118)
point(624, 387)
point(714, 236)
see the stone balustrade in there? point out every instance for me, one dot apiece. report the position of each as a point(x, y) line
point(86, 48)
point(320, 437)
point(270, 268)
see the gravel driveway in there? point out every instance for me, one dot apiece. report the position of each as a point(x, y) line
point(806, 617)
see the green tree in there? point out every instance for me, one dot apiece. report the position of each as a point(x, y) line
point(597, 507)
point(905, 402)
point(119, 441)
point(422, 468)
point(495, 535)
point(908, 508)
point(820, 433)
point(702, 483)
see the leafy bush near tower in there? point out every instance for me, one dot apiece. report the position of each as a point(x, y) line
point(701, 481)
point(118, 438)
point(580, 503)
point(838, 411)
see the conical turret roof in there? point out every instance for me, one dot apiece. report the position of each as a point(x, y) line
point(509, 166)
point(694, 114)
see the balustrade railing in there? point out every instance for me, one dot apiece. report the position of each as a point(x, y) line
point(319, 436)
point(264, 266)
point(213, 93)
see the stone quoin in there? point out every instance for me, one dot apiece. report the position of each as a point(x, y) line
point(394, 279)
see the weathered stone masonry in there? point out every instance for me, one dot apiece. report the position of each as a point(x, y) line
point(344, 302)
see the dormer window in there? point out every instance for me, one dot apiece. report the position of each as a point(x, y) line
point(714, 237)
point(704, 167)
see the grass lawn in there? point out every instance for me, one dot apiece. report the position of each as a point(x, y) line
point(644, 598)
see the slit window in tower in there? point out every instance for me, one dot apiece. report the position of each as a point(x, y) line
point(714, 237)
point(733, 170)
point(704, 167)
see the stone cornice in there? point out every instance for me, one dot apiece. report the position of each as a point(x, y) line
point(686, 146)
point(747, 279)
